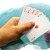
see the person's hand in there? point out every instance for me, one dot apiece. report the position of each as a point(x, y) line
point(11, 31)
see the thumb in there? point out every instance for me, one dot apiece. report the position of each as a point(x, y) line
point(25, 27)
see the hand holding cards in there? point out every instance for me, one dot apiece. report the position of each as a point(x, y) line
point(41, 22)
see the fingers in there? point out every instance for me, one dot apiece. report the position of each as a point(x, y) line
point(13, 21)
point(24, 27)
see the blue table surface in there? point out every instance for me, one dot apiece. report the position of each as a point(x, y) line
point(41, 42)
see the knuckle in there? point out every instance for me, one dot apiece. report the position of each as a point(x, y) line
point(15, 19)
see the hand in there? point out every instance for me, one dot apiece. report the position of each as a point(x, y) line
point(11, 31)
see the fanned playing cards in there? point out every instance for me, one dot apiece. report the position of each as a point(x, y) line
point(42, 23)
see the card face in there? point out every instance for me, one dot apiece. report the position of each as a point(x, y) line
point(24, 15)
point(40, 14)
point(41, 24)
point(29, 10)
point(43, 17)
point(39, 29)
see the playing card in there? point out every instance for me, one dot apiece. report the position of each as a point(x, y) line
point(24, 15)
point(40, 27)
point(37, 13)
point(41, 16)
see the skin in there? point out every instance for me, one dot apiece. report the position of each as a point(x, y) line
point(11, 31)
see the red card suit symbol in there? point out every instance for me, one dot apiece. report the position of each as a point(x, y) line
point(36, 26)
point(33, 38)
point(36, 12)
point(39, 15)
point(29, 10)
point(33, 11)
point(25, 9)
